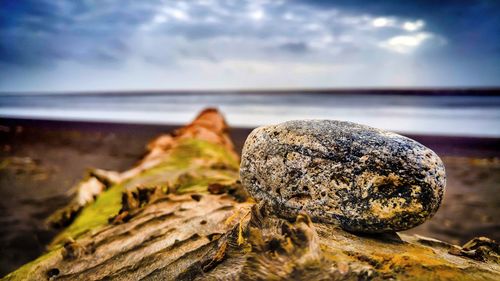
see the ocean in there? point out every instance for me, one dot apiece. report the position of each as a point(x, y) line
point(425, 114)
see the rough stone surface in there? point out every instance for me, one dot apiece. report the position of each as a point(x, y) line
point(365, 179)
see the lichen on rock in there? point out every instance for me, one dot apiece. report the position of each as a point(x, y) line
point(364, 179)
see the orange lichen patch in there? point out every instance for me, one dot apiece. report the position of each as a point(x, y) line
point(415, 190)
point(392, 207)
point(411, 257)
point(402, 261)
point(369, 181)
point(240, 239)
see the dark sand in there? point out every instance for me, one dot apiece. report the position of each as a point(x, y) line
point(41, 160)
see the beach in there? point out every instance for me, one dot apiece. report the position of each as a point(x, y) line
point(42, 160)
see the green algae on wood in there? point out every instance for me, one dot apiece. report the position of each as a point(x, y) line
point(191, 157)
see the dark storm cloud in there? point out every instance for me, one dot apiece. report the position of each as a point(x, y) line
point(44, 32)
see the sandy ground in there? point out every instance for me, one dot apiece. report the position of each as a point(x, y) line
point(41, 160)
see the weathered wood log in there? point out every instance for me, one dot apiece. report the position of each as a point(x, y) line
point(181, 214)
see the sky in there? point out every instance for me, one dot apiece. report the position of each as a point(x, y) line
point(96, 45)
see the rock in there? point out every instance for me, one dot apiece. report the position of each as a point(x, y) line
point(365, 179)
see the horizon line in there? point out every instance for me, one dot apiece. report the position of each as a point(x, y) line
point(417, 91)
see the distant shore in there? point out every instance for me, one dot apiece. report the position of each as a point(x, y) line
point(427, 91)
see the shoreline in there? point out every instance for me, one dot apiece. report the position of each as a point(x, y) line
point(461, 116)
point(465, 146)
point(424, 91)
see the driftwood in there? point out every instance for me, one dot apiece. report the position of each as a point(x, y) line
point(181, 214)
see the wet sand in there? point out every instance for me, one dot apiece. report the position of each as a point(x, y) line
point(41, 160)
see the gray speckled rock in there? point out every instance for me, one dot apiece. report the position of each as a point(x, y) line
point(364, 179)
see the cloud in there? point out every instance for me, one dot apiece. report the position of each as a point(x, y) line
point(391, 22)
point(383, 22)
point(406, 43)
point(118, 30)
point(414, 25)
point(42, 36)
